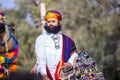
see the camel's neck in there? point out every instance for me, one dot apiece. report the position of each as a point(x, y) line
point(2, 36)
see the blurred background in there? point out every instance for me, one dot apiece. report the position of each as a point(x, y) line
point(93, 24)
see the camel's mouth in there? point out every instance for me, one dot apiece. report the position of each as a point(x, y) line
point(2, 28)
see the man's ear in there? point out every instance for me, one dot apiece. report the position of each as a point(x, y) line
point(59, 23)
point(45, 23)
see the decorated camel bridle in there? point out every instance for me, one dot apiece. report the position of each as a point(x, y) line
point(5, 38)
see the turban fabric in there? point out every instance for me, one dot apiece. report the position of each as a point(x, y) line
point(53, 14)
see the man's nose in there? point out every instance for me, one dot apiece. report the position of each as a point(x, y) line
point(50, 23)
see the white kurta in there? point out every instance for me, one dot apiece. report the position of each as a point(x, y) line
point(47, 54)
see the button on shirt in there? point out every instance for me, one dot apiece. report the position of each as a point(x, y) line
point(47, 54)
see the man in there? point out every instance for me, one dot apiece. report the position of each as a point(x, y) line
point(54, 50)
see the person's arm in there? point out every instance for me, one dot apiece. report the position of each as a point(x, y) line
point(40, 66)
point(34, 69)
point(70, 61)
point(72, 58)
point(74, 54)
point(45, 77)
point(40, 56)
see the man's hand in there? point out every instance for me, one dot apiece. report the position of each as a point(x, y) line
point(67, 65)
point(45, 77)
point(34, 69)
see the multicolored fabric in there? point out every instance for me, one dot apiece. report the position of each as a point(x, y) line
point(58, 69)
point(8, 62)
point(8, 59)
point(68, 49)
point(86, 68)
point(53, 14)
point(57, 73)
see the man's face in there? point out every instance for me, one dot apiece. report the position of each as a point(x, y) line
point(52, 26)
point(52, 22)
point(1, 19)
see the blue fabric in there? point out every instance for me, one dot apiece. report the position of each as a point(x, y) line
point(10, 36)
point(9, 61)
point(2, 43)
point(67, 44)
point(2, 70)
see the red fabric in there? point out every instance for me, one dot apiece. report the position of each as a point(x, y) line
point(49, 74)
point(58, 69)
point(1, 13)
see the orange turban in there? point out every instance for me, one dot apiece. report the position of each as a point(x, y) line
point(53, 14)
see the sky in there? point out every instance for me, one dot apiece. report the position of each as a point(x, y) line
point(10, 4)
point(7, 4)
